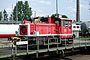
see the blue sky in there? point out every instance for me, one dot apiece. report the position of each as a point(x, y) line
point(47, 7)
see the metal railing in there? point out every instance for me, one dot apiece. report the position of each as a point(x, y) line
point(78, 42)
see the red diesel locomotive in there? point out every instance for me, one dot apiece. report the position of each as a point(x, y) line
point(47, 28)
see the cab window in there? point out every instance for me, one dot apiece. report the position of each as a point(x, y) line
point(57, 21)
point(65, 23)
point(69, 25)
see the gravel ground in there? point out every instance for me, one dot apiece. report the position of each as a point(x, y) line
point(79, 57)
point(4, 43)
point(74, 57)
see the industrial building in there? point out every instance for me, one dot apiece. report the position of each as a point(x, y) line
point(76, 28)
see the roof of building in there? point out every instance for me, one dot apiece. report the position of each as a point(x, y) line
point(10, 22)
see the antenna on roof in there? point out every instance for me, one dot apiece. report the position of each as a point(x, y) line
point(57, 8)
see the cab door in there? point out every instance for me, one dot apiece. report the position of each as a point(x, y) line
point(57, 22)
point(66, 29)
point(64, 26)
point(70, 27)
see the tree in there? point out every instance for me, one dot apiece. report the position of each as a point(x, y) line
point(55, 15)
point(22, 11)
point(11, 17)
point(18, 11)
point(0, 15)
point(64, 16)
point(5, 15)
point(27, 11)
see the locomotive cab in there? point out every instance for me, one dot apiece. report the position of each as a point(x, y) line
point(66, 28)
point(63, 27)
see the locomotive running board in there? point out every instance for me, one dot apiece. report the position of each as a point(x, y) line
point(53, 34)
point(52, 43)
